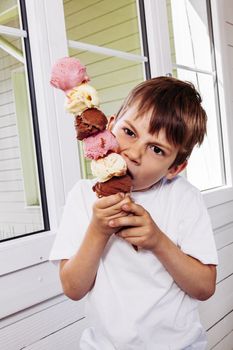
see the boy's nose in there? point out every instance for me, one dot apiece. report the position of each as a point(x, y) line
point(134, 154)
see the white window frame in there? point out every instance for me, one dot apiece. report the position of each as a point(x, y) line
point(61, 165)
point(56, 135)
point(161, 64)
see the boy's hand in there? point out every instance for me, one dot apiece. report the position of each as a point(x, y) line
point(106, 209)
point(138, 228)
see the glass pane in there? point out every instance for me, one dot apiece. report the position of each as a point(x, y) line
point(189, 33)
point(112, 24)
point(9, 15)
point(113, 78)
point(20, 204)
point(109, 23)
point(190, 43)
point(205, 164)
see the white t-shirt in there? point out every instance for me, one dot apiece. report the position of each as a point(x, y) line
point(135, 304)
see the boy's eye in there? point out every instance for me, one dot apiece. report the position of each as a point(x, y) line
point(129, 132)
point(157, 150)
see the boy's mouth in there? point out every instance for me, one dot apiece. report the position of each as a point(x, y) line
point(129, 173)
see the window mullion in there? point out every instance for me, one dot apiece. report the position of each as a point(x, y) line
point(195, 69)
point(15, 32)
point(158, 37)
point(106, 51)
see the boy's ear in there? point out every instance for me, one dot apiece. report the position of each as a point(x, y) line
point(176, 169)
point(111, 122)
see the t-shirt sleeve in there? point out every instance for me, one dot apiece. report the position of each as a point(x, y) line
point(196, 236)
point(72, 227)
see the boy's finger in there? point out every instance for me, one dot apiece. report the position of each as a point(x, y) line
point(115, 203)
point(125, 221)
point(133, 208)
point(109, 201)
point(116, 208)
point(128, 232)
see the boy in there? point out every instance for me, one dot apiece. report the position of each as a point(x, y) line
point(145, 300)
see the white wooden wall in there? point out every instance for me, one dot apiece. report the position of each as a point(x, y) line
point(56, 323)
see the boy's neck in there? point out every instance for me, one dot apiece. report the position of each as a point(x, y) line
point(155, 185)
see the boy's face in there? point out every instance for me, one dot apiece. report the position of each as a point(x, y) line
point(148, 156)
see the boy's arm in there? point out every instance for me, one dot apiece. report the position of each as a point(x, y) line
point(78, 274)
point(195, 278)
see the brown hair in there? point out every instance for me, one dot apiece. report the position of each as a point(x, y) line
point(174, 106)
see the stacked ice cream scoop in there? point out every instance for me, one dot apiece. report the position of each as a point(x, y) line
point(99, 144)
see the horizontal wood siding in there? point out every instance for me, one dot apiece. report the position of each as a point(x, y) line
point(56, 322)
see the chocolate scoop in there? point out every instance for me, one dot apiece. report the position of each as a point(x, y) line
point(114, 185)
point(90, 122)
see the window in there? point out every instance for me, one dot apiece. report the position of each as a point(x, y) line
point(22, 194)
point(193, 59)
point(107, 37)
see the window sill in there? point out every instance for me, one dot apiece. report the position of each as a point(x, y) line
point(26, 251)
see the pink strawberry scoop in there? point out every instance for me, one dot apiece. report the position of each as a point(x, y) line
point(67, 73)
point(99, 145)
